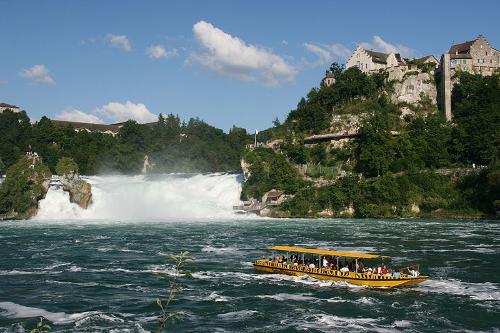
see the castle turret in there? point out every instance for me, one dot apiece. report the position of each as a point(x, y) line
point(329, 79)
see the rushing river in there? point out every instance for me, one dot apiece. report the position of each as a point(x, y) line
point(99, 276)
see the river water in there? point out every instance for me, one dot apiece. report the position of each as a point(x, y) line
point(99, 276)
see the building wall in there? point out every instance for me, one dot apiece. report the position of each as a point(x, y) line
point(2, 109)
point(446, 86)
point(485, 59)
point(361, 60)
point(392, 61)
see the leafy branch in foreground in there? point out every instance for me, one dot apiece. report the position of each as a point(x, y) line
point(180, 261)
point(41, 327)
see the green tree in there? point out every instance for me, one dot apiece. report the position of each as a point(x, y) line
point(66, 165)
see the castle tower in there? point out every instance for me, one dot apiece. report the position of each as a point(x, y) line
point(329, 79)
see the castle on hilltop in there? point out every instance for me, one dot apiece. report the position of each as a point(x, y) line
point(476, 56)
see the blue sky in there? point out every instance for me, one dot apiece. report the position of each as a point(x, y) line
point(227, 62)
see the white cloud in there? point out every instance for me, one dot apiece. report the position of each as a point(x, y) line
point(230, 56)
point(119, 41)
point(379, 44)
point(71, 114)
point(38, 74)
point(118, 112)
point(159, 51)
point(327, 53)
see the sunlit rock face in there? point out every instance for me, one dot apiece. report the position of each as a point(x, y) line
point(80, 191)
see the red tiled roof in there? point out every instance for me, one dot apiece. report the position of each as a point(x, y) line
point(274, 194)
point(461, 48)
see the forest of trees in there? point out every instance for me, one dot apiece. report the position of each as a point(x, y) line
point(171, 145)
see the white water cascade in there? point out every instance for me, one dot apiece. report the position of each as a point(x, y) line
point(149, 197)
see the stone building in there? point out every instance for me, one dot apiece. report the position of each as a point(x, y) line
point(328, 80)
point(372, 61)
point(5, 106)
point(476, 56)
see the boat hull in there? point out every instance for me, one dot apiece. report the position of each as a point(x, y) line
point(362, 279)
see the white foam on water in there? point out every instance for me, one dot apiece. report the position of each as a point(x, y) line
point(332, 323)
point(13, 310)
point(237, 315)
point(213, 296)
point(141, 197)
point(290, 297)
point(219, 250)
point(486, 291)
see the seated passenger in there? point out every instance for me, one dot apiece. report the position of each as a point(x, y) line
point(344, 269)
point(312, 265)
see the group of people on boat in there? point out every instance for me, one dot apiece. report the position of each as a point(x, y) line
point(344, 266)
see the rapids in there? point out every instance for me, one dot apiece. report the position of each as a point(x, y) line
point(100, 275)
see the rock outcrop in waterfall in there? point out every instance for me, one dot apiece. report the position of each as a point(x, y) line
point(80, 191)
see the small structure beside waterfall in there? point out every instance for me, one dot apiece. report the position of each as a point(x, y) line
point(263, 207)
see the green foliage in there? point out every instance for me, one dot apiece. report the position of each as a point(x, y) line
point(172, 146)
point(66, 165)
point(375, 144)
point(23, 187)
point(15, 133)
point(41, 327)
point(313, 113)
point(180, 261)
point(269, 171)
point(476, 113)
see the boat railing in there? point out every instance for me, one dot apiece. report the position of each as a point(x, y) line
point(329, 271)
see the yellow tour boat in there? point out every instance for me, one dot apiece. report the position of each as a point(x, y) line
point(295, 263)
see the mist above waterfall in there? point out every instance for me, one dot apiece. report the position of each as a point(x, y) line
point(149, 197)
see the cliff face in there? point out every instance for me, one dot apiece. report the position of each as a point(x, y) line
point(26, 183)
point(80, 191)
point(411, 87)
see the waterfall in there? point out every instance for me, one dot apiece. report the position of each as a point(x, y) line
point(149, 197)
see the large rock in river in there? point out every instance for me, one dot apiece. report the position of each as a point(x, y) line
point(80, 191)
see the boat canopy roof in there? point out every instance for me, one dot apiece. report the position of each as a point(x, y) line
point(327, 252)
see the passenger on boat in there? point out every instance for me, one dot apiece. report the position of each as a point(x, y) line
point(413, 272)
point(325, 262)
point(344, 269)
